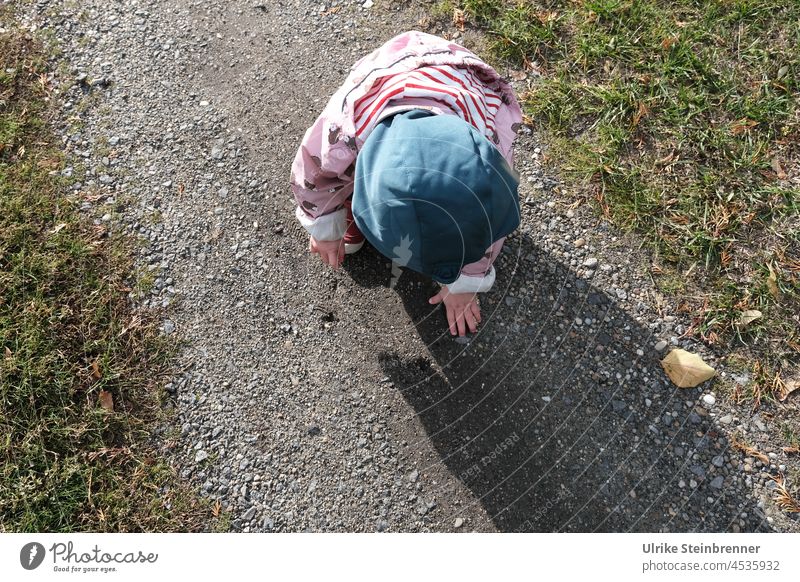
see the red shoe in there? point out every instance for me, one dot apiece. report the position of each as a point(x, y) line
point(353, 239)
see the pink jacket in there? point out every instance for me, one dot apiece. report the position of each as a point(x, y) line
point(383, 83)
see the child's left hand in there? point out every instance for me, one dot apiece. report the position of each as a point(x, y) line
point(462, 310)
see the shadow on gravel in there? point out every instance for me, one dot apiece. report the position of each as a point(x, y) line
point(556, 426)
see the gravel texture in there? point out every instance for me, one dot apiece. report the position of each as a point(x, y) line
point(313, 400)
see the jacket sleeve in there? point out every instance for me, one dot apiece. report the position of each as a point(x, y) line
point(322, 177)
point(478, 277)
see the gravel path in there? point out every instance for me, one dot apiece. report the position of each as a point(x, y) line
point(310, 400)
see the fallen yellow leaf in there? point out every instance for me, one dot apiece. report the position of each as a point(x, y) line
point(748, 450)
point(788, 387)
point(749, 316)
point(772, 283)
point(96, 369)
point(641, 112)
point(776, 165)
point(685, 369)
point(106, 400)
point(743, 125)
point(458, 19)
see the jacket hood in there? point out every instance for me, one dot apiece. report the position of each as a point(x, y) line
point(432, 193)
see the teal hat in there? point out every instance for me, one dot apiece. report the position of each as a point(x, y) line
point(432, 193)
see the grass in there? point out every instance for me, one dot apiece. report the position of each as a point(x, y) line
point(79, 369)
point(680, 120)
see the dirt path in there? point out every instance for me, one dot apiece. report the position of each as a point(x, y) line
point(322, 401)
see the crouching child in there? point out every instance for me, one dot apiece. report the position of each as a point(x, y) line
point(414, 155)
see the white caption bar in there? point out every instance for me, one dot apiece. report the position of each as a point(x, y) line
point(398, 556)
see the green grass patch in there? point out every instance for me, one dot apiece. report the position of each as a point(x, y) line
point(679, 119)
point(79, 370)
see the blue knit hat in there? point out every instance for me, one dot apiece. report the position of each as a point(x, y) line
point(432, 193)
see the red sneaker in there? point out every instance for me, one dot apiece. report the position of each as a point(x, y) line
point(353, 239)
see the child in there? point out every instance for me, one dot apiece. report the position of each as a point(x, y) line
point(431, 127)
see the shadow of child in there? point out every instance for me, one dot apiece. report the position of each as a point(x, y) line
point(556, 414)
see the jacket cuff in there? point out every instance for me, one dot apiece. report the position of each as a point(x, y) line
point(326, 227)
point(469, 284)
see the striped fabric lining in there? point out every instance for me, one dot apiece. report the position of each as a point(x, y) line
point(454, 87)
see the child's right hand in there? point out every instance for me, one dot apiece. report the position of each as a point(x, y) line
point(330, 251)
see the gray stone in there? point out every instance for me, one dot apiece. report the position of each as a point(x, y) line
point(698, 470)
point(596, 299)
point(249, 514)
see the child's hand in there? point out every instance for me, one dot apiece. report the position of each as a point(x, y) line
point(462, 310)
point(330, 251)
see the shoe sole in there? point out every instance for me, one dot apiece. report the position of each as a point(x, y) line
point(349, 249)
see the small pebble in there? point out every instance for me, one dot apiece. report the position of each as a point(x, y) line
point(249, 514)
